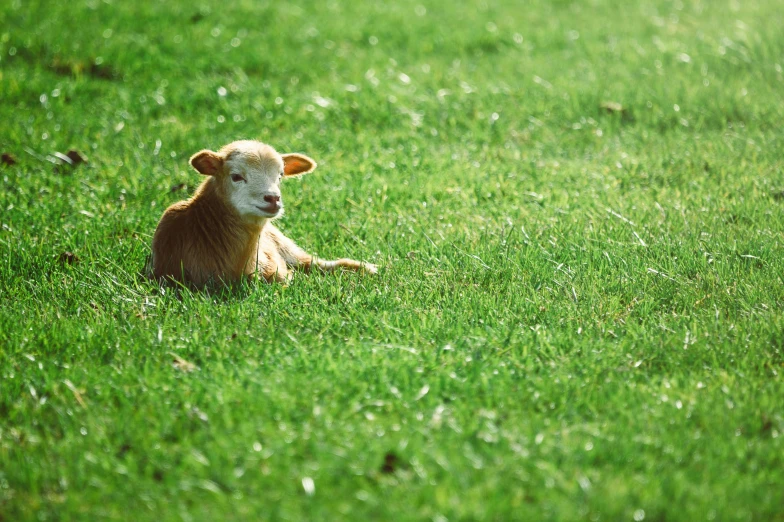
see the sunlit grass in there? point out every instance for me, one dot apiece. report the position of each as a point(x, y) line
point(578, 207)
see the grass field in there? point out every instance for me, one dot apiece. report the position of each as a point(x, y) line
point(579, 207)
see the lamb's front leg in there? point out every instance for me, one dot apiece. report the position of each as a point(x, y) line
point(270, 264)
point(276, 274)
point(298, 258)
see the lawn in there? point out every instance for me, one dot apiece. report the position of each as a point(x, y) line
point(579, 208)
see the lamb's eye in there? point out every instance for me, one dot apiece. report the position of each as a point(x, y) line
point(236, 178)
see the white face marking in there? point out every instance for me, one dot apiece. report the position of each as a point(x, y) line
point(254, 172)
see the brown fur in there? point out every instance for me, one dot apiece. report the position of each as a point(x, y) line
point(205, 239)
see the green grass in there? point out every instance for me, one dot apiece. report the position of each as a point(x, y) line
point(580, 315)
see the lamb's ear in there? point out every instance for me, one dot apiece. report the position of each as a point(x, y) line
point(207, 162)
point(296, 164)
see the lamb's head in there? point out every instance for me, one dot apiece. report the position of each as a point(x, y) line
point(248, 174)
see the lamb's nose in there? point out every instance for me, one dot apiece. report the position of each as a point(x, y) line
point(271, 199)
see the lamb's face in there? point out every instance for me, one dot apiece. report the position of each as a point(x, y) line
point(251, 180)
point(250, 173)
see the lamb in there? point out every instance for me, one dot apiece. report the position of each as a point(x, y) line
point(224, 233)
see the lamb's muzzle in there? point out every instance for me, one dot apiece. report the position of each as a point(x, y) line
point(224, 232)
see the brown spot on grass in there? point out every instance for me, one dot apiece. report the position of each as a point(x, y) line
point(68, 258)
point(71, 67)
point(391, 462)
point(76, 157)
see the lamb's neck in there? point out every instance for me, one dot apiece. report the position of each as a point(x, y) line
point(222, 229)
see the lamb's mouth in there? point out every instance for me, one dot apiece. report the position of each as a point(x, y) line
point(271, 210)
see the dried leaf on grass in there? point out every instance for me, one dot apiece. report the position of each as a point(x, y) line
point(8, 159)
point(391, 462)
point(181, 364)
point(611, 106)
point(68, 258)
point(68, 161)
